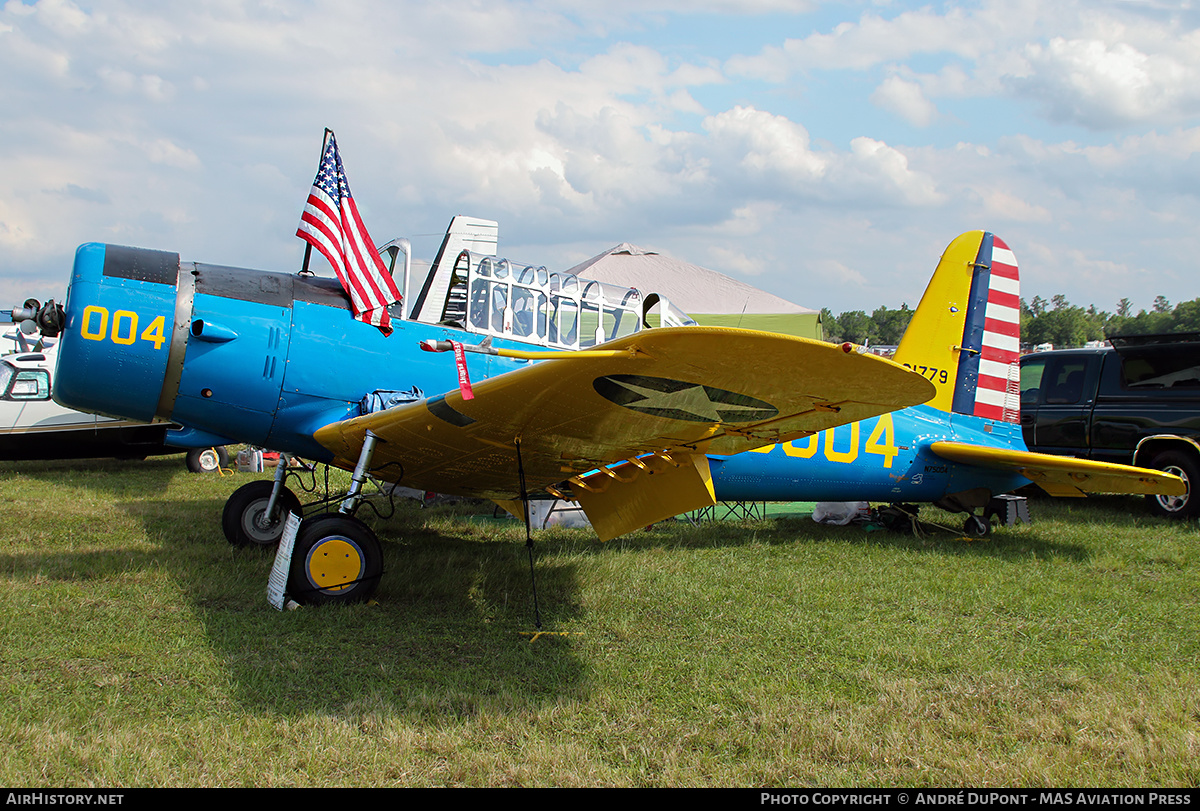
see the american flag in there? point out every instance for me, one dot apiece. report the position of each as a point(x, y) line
point(330, 223)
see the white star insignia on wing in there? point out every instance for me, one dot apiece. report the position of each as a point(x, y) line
point(693, 400)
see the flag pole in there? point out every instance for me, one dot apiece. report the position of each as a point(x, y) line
point(307, 244)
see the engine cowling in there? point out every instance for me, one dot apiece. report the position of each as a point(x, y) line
point(116, 342)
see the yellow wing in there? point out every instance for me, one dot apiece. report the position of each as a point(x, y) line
point(1066, 475)
point(667, 394)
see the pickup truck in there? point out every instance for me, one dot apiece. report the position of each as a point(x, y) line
point(1136, 402)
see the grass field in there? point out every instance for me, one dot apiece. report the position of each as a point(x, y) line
point(139, 650)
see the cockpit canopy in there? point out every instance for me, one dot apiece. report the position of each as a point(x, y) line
point(525, 303)
point(494, 296)
point(482, 293)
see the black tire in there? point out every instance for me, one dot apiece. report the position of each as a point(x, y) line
point(1184, 465)
point(207, 460)
point(977, 527)
point(242, 518)
point(337, 560)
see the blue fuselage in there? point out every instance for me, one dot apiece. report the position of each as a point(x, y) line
point(885, 458)
point(269, 358)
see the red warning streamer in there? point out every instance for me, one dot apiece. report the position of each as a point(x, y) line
point(464, 379)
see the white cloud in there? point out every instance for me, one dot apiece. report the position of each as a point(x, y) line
point(874, 164)
point(843, 273)
point(16, 229)
point(871, 40)
point(1101, 65)
point(906, 99)
point(1001, 207)
point(1109, 84)
point(61, 16)
point(750, 220)
point(764, 147)
point(165, 152)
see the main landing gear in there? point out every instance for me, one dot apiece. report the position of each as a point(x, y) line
point(336, 557)
point(254, 514)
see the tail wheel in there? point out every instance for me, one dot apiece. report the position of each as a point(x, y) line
point(245, 520)
point(1184, 466)
point(337, 559)
point(977, 527)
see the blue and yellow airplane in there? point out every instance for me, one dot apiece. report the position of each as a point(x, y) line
point(555, 383)
point(964, 445)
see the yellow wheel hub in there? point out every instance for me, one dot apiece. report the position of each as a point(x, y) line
point(334, 565)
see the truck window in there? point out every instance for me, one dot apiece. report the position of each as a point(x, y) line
point(1110, 377)
point(1143, 369)
point(1031, 381)
point(1063, 380)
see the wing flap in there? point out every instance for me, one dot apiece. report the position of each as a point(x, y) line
point(639, 492)
point(1065, 475)
point(689, 390)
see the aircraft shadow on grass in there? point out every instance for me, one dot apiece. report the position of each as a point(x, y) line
point(443, 638)
point(452, 612)
point(931, 539)
point(102, 476)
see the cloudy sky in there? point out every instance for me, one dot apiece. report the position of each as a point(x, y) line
point(824, 151)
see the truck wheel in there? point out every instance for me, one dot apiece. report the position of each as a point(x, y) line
point(1184, 466)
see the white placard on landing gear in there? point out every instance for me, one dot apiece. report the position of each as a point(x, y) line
point(277, 583)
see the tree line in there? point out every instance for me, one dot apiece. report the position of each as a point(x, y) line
point(883, 326)
point(1056, 322)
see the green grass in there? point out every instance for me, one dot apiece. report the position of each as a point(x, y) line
point(139, 650)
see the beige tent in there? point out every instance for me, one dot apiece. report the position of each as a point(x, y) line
point(707, 296)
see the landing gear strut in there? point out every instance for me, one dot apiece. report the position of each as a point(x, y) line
point(336, 557)
point(254, 514)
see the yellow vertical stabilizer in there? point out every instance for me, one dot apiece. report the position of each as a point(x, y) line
point(965, 334)
point(931, 344)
